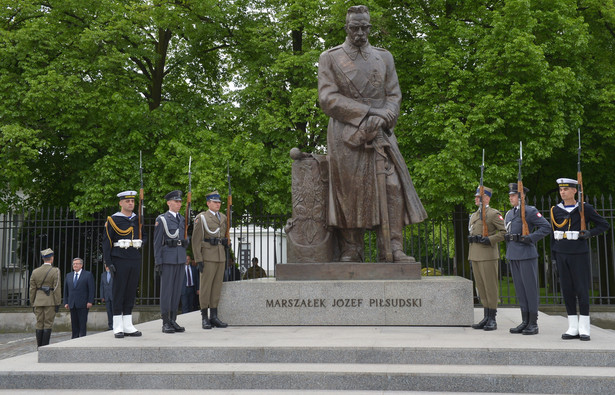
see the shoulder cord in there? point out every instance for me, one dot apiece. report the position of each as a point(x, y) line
point(560, 225)
point(166, 228)
point(215, 232)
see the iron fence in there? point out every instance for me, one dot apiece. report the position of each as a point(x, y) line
point(439, 244)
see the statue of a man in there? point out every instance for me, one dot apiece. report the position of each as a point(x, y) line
point(368, 178)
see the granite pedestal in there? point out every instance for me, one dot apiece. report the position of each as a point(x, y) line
point(433, 301)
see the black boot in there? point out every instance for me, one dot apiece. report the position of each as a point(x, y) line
point(491, 325)
point(166, 324)
point(525, 318)
point(46, 336)
point(206, 323)
point(215, 321)
point(482, 322)
point(39, 337)
point(532, 326)
point(174, 324)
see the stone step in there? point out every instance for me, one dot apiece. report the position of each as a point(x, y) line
point(327, 344)
point(27, 373)
point(359, 355)
point(325, 358)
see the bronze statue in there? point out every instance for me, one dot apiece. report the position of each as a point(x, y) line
point(369, 183)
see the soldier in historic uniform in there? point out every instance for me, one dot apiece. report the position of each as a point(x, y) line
point(570, 248)
point(122, 253)
point(485, 254)
point(523, 257)
point(359, 90)
point(45, 296)
point(170, 259)
point(208, 246)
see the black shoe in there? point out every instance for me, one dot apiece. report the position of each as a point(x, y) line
point(532, 326)
point(206, 322)
point(174, 324)
point(119, 335)
point(215, 322)
point(584, 338)
point(482, 322)
point(491, 325)
point(166, 324)
point(566, 336)
point(133, 334)
point(525, 319)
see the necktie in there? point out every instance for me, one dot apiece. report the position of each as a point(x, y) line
point(75, 279)
point(189, 276)
point(108, 277)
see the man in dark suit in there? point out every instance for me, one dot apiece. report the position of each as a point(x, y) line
point(232, 273)
point(79, 292)
point(523, 257)
point(106, 294)
point(190, 290)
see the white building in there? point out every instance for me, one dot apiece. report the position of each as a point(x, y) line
point(267, 244)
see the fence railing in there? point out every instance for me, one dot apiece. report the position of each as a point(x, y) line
point(439, 244)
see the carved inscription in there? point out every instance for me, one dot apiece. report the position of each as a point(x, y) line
point(345, 303)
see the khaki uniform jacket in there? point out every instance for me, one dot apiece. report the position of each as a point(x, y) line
point(38, 298)
point(496, 230)
point(208, 226)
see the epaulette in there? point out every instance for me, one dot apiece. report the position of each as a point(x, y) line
point(336, 48)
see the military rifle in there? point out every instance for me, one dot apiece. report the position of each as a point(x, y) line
point(141, 197)
point(481, 192)
point(525, 230)
point(580, 181)
point(229, 213)
point(189, 199)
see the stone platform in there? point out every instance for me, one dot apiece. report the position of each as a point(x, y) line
point(436, 301)
point(312, 359)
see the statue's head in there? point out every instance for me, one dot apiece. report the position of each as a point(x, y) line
point(357, 25)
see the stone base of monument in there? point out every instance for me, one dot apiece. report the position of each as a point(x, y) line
point(349, 271)
point(430, 301)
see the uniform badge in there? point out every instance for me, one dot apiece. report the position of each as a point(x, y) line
point(500, 216)
point(539, 215)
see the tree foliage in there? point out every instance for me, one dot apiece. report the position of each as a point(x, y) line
point(88, 85)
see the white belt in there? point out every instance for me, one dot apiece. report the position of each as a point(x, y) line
point(125, 243)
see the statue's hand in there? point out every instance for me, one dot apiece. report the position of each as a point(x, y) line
point(373, 125)
point(387, 115)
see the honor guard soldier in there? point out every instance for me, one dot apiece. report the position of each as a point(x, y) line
point(45, 296)
point(122, 253)
point(484, 255)
point(570, 249)
point(208, 246)
point(170, 259)
point(523, 257)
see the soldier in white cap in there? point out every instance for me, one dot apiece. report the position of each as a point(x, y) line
point(122, 253)
point(45, 296)
point(208, 246)
point(170, 260)
point(522, 255)
point(571, 252)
